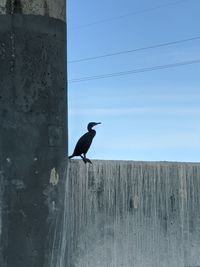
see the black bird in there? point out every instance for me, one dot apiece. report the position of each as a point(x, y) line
point(84, 143)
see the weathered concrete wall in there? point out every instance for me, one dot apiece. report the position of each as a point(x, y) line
point(51, 8)
point(126, 213)
point(33, 132)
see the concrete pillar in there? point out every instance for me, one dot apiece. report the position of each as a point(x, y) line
point(33, 135)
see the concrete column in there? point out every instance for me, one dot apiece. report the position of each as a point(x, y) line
point(33, 135)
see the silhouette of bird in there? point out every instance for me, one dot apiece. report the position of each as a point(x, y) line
point(85, 142)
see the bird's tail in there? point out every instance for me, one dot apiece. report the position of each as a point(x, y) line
point(71, 156)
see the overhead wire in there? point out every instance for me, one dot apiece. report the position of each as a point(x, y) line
point(127, 15)
point(135, 71)
point(139, 70)
point(134, 50)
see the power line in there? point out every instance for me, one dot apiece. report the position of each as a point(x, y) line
point(135, 71)
point(127, 15)
point(134, 50)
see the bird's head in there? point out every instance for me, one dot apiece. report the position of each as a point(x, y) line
point(92, 124)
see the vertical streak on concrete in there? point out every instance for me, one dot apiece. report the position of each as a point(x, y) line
point(33, 132)
point(126, 213)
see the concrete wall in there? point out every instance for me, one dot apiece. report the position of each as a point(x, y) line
point(52, 8)
point(33, 132)
point(126, 213)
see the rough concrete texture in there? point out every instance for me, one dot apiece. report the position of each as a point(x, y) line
point(33, 139)
point(131, 214)
point(52, 8)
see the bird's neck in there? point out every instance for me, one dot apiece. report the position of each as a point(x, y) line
point(91, 131)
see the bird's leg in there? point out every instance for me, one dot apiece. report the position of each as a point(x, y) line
point(86, 159)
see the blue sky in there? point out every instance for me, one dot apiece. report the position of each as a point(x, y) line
point(151, 115)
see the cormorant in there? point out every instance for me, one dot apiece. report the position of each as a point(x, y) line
point(84, 143)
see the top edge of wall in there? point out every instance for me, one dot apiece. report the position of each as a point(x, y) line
point(97, 161)
point(51, 8)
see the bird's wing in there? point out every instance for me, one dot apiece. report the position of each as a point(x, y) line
point(83, 144)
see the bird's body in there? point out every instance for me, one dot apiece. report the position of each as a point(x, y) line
point(84, 143)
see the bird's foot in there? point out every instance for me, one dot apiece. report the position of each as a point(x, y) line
point(87, 160)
